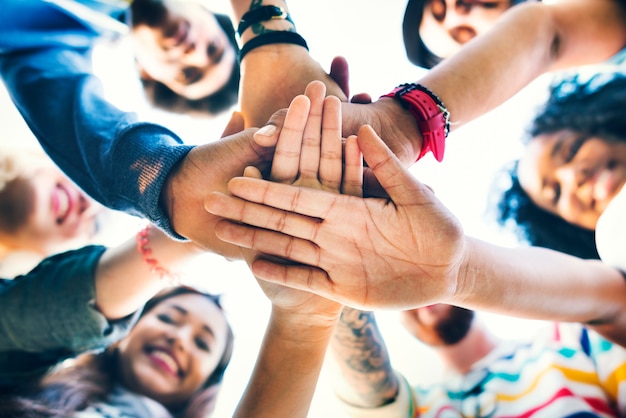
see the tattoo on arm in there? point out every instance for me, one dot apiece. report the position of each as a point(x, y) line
point(363, 358)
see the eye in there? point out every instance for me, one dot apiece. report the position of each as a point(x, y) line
point(557, 194)
point(202, 345)
point(489, 4)
point(574, 148)
point(438, 8)
point(165, 318)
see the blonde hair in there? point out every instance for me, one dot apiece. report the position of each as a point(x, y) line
point(22, 163)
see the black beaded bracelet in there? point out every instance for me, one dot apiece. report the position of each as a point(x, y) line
point(279, 37)
point(262, 14)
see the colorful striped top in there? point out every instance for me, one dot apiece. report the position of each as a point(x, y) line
point(571, 373)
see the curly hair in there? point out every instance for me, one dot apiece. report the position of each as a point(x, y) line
point(91, 376)
point(590, 106)
point(151, 13)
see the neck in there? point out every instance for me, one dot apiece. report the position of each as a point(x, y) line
point(477, 344)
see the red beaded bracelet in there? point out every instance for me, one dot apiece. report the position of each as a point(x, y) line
point(433, 119)
point(143, 243)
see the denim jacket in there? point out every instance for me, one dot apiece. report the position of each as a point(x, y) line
point(45, 64)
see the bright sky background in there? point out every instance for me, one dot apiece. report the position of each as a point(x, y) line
point(368, 34)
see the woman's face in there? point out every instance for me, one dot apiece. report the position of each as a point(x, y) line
point(54, 213)
point(572, 176)
point(448, 24)
point(189, 52)
point(173, 348)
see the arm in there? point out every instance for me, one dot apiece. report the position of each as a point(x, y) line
point(140, 168)
point(301, 324)
point(528, 41)
point(272, 75)
point(364, 377)
point(78, 301)
point(409, 251)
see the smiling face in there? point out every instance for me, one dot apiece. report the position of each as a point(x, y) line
point(185, 49)
point(44, 212)
point(448, 24)
point(173, 348)
point(573, 176)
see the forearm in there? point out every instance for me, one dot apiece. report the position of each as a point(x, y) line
point(285, 376)
point(118, 161)
point(529, 40)
point(365, 377)
point(539, 283)
point(125, 280)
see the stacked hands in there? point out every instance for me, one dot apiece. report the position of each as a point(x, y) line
point(298, 231)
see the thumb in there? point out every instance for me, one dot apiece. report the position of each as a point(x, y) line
point(268, 135)
point(400, 185)
point(340, 74)
point(234, 125)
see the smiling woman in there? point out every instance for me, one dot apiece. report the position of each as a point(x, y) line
point(170, 364)
point(42, 211)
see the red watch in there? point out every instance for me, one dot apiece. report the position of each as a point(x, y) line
point(433, 119)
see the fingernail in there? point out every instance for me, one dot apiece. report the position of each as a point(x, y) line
point(267, 130)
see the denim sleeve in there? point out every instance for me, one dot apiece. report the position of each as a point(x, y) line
point(49, 314)
point(45, 64)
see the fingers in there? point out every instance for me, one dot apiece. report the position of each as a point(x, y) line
point(399, 184)
point(330, 166)
point(255, 213)
point(234, 125)
point(267, 136)
point(252, 172)
point(353, 171)
point(340, 74)
point(268, 242)
point(310, 156)
point(286, 162)
point(310, 279)
point(269, 195)
point(361, 98)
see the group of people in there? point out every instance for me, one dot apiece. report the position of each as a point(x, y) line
point(313, 192)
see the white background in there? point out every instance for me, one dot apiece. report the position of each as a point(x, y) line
point(369, 35)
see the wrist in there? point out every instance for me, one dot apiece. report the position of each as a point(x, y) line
point(303, 327)
point(431, 115)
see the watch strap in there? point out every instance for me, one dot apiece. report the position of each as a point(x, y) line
point(261, 14)
point(431, 116)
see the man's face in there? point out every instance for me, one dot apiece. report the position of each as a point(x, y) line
point(188, 51)
point(438, 325)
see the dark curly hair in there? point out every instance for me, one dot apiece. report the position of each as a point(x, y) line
point(151, 13)
point(589, 106)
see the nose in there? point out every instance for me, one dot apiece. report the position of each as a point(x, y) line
point(574, 185)
point(195, 55)
point(180, 338)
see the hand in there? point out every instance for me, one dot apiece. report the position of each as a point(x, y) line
point(309, 154)
point(390, 120)
point(272, 75)
point(400, 252)
point(208, 168)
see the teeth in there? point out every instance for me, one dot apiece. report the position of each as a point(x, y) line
point(167, 359)
point(64, 203)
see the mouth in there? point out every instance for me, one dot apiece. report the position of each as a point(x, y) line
point(62, 203)
point(604, 183)
point(166, 361)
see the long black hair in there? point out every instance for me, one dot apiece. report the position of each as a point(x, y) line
point(590, 106)
point(91, 376)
